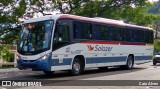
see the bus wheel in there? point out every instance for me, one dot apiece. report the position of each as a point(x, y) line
point(130, 63)
point(76, 67)
point(48, 72)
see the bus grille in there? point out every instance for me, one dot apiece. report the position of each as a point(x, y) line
point(28, 60)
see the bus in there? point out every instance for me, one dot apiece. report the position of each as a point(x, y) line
point(75, 43)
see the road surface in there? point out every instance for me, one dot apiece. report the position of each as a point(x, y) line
point(143, 73)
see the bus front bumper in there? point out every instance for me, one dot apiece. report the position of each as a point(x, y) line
point(36, 65)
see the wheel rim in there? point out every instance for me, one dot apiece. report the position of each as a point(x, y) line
point(130, 63)
point(76, 67)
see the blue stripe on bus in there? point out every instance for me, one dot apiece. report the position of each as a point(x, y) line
point(67, 61)
point(137, 58)
point(105, 59)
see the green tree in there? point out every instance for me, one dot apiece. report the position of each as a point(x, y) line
point(130, 11)
point(10, 12)
point(5, 53)
point(157, 45)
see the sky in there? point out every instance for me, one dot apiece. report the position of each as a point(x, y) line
point(153, 0)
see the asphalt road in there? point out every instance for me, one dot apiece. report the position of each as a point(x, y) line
point(62, 80)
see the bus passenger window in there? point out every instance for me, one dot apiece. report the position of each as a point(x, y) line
point(138, 35)
point(148, 36)
point(82, 30)
point(116, 34)
point(128, 35)
point(100, 32)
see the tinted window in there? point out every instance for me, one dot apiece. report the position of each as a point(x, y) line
point(128, 35)
point(148, 36)
point(141, 34)
point(135, 36)
point(64, 33)
point(100, 32)
point(116, 34)
point(138, 35)
point(82, 30)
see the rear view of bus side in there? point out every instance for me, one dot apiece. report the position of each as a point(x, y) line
point(75, 43)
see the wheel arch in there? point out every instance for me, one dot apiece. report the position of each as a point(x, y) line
point(132, 55)
point(82, 58)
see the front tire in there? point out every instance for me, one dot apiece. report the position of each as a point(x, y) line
point(76, 67)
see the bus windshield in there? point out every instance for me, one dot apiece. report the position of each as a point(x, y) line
point(35, 37)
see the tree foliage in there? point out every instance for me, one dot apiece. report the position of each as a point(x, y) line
point(10, 12)
point(130, 11)
point(157, 45)
point(127, 10)
point(5, 53)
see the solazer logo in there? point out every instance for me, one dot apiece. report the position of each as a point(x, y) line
point(99, 48)
point(90, 48)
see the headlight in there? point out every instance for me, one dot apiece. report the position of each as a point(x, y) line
point(18, 57)
point(44, 57)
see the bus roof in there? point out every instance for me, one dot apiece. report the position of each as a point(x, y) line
point(95, 19)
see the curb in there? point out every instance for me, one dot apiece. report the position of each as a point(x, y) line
point(9, 70)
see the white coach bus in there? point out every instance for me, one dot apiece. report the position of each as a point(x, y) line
point(74, 43)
